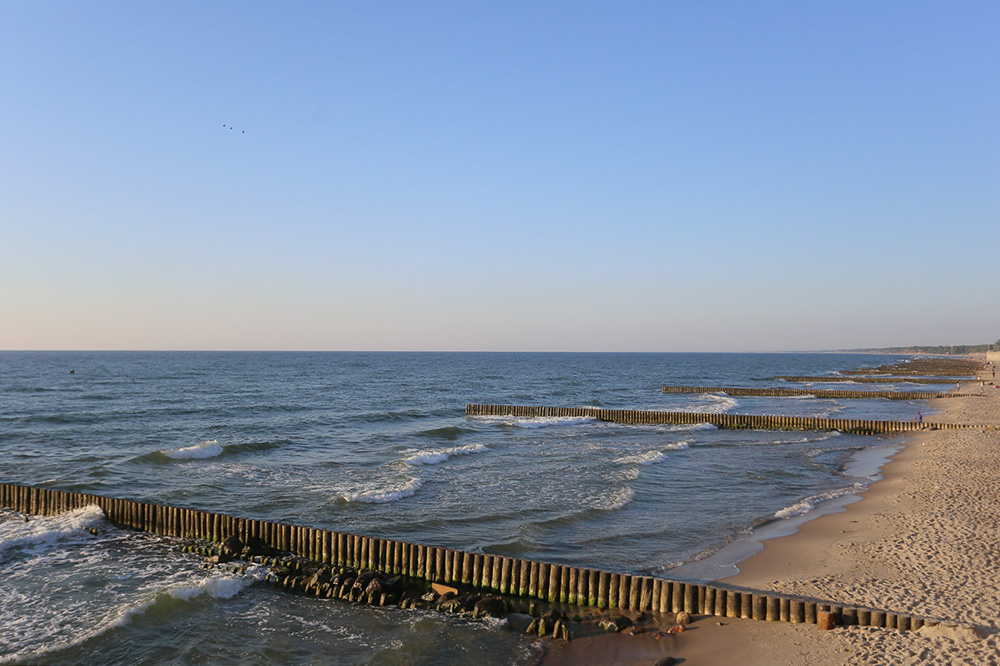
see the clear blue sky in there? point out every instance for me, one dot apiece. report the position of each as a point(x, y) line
point(642, 176)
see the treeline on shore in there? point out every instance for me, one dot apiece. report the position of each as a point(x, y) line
point(939, 349)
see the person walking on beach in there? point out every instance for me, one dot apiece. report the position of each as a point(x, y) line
point(920, 417)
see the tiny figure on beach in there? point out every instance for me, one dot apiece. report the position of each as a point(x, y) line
point(920, 417)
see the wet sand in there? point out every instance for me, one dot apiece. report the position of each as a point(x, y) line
point(923, 540)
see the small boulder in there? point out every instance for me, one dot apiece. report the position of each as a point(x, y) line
point(375, 587)
point(490, 607)
point(616, 624)
point(683, 618)
point(255, 546)
point(451, 605)
point(232, 546)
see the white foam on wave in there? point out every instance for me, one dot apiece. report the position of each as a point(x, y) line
point(42, 531)
point(538, 421)
point(207, 449)
point(223, 586)
point(435, 456)
point(654, 456)
point(216, 587)
point(719, 404)
point(808, 504)
point(616, 500)
point(690, 426)
point(381, 494)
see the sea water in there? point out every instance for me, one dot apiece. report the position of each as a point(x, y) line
point(378, 444)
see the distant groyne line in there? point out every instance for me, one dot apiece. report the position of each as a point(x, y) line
point(864, 379)
point(734, 421)
point(818, 393)
point(507, 576)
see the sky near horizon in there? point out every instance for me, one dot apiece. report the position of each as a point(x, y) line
point(578, 176)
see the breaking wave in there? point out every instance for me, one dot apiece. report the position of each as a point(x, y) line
point(207, 449)
point(808, 504)
point(435, 456)
point(44, 531)
point(381, 494)
point(216, 587)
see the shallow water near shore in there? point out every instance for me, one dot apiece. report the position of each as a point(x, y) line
point(378, 443)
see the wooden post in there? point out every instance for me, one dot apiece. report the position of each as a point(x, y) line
point(796, 611)
point(810, 612)
point(624, 588)
point(635, 593)
point(505, 566)
point(691, 598)
point(773, 610)
point(759, 607)
point(602, 589)
point(706, 600)
point(583, 587)
point(555, 583)
point(441, 574)
point(720, 603)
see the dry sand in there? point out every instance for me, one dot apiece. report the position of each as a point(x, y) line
point(925, 540)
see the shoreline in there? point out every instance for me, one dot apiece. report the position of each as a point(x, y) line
point(919, 540)
point(727, 562)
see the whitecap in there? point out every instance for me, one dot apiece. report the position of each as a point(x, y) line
point(616, 500)
point(719, 404)
point(652, 457)
point(217, 587)
point(380, 494)
point(42, 531)
point(207, 449)
point(537, 421)
point(435, 456)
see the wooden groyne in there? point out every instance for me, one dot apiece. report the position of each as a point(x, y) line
point(818, 393)
point(873, 380)
point(510, 576)
point(744, 421)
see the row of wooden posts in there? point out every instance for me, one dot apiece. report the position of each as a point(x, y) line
point(510, 576)
point(738, 421)
point(819, 393)
point(871, 380)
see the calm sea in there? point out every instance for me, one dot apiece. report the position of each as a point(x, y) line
point(378, 443)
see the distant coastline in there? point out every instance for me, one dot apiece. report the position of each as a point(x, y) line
point(942, 350)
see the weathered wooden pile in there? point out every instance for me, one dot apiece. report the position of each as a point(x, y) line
point(347, 556)
point(772, 392)
point(867, 379)
point(744, 421)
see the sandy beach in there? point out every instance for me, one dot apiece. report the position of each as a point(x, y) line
point(922, 540)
